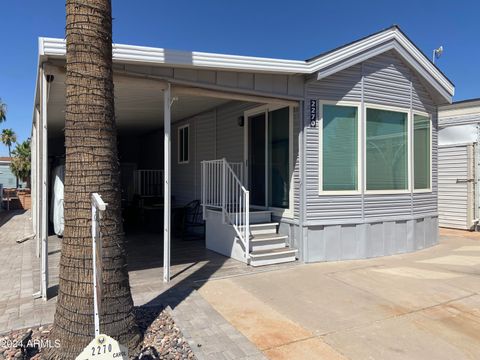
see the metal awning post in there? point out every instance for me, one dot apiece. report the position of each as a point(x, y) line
point(98, 206)
point(43, 218)
point(167, 102)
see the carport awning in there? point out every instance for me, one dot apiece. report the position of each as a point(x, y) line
point(139, 101)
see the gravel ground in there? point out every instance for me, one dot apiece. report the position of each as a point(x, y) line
point(162, 339)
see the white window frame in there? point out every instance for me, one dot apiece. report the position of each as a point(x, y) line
point(357, 105)
point(421, 113)
point(281, 212)
point(180, 138)
point(409, 148)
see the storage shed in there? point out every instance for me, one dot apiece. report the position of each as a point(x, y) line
point(458, 171)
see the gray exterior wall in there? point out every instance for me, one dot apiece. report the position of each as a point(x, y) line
point(363, 221)
point(213, 135)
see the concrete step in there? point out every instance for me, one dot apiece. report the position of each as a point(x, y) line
point(268, 242)
point(263, 228)
point(269, 257)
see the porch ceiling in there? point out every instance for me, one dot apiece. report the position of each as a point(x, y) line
point(138, 105)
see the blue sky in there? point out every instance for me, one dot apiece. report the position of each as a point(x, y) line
point(286, 29)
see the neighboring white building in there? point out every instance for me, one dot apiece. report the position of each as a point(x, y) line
point(458, 164)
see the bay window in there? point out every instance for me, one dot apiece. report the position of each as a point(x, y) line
point(396, 154)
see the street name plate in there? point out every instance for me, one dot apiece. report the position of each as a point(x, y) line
point(103, 347)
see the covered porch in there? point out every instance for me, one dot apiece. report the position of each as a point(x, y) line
point(166, 129)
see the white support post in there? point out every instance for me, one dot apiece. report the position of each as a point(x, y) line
point(43, 218)
point(166, 181)
point(35, 180)
point(224, 189)
point(204, 208)
point(98, 206)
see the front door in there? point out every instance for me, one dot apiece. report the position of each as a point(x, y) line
point(268, 158)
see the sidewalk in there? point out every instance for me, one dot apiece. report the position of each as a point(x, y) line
point(18, 308)
point(423, 305)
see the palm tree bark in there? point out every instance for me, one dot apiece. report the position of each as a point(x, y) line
point(91, 166)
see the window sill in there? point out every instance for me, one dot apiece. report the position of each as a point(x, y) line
point(387, 192)
point(339, 192)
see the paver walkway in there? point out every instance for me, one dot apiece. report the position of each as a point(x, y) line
point(208, 333)
point(18, 308)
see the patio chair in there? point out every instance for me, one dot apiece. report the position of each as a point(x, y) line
point(192, 219)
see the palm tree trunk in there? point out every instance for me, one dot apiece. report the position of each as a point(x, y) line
point(91, 166)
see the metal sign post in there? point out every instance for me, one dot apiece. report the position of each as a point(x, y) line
point(102, 347)
point(98, 206)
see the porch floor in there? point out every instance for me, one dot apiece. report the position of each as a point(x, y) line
point(191, 265)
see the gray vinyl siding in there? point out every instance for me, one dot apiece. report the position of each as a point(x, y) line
point(296, 162)
point(203, 145)
point(386, 81)
point(230, 136)
point(183, 175)
point(445, 121)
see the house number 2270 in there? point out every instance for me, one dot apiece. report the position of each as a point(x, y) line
point(313, 113)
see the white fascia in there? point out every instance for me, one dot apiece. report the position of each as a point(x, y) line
point(130, 53)
point(386, 40)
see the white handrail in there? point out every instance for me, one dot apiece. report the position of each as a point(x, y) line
point(148, 182)
point(222, 189)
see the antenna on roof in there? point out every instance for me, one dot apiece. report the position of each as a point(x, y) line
point(437, 53)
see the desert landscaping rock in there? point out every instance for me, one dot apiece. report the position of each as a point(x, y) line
point(162, 339)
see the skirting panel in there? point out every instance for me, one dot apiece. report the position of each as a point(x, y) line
point(360, 241)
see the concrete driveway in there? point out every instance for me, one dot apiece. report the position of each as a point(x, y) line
point(424, 305)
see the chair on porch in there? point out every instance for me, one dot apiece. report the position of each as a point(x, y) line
point(192, 219)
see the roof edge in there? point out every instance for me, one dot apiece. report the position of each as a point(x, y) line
point(55, 47)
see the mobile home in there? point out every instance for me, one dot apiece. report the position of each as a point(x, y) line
point(330, 158)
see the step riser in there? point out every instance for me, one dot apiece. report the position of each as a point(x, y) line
point(267, 245)
point(263, 230)
point(260, 217)
point(278, 259)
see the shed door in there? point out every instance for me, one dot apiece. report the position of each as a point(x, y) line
point(456, 186)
